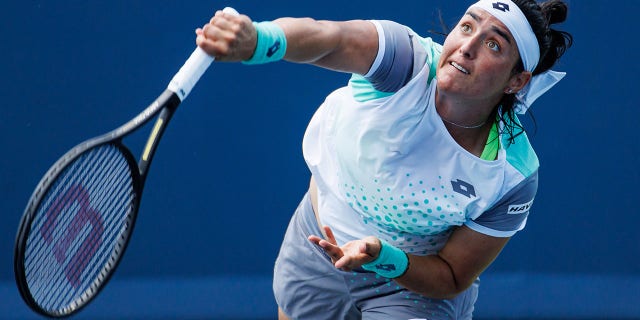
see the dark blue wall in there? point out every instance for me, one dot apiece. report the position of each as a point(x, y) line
point(229, 172)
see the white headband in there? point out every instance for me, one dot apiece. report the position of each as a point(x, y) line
point(512, 17)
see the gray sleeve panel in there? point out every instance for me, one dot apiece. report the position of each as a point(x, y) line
point(396, 67)
point(510, 213)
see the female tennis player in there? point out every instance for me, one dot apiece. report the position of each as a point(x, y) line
point(421, 170)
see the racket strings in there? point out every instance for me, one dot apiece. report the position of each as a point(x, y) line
point(41, 252)
point(89, 244)
point(61, 225)
point(72, 204)
point(77, 227)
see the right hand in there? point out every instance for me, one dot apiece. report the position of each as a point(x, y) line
point(228, 37)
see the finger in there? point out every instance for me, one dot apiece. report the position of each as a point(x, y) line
point(363, 248)
point(216, 15)
point(332, 250)
point(368, 252)
point(366, 248)
point(330, 237)
point(212, 40)
point(211, 31)
point(343, 263)
point(315, 239)
point(226, 22)
point(372, 246)
point(200, 41)
point(212, 48)
point(221, 22)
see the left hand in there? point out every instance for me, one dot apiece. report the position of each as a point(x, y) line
point(352, 254)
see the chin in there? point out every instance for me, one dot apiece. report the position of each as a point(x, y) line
point(446, 83)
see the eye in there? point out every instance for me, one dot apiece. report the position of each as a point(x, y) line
point(465, 28)
point(493, 45)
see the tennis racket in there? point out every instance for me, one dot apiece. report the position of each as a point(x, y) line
point(80, 217)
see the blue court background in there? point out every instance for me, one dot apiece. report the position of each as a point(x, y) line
point(229, 172)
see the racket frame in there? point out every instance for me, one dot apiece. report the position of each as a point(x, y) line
point(165, 105)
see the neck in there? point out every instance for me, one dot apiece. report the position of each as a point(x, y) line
point(467, 121)
point(463, 114)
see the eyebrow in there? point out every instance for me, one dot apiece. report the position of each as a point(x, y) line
point(495, 29)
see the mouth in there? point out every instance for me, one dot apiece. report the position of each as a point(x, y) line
point(459, 67)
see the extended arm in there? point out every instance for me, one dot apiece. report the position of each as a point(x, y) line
point(349, 46)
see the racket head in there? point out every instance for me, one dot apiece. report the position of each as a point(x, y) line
point(76, 227)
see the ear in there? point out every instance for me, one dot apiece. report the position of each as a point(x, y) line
point(519, 80)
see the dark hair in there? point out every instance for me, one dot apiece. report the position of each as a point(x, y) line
point(553, 44)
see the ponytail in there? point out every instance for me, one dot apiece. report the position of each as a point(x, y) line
point(555, 42)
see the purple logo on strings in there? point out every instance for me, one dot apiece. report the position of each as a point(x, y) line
point(84, 215)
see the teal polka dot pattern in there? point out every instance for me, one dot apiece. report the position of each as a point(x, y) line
point(415, 212)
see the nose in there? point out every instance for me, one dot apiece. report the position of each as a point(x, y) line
point(469, 46)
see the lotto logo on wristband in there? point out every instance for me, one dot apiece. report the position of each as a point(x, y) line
point(271, 43)
point(386, 267)
point(390, 263)
point(273, 49)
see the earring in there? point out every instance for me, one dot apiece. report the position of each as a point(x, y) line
point(508, 91)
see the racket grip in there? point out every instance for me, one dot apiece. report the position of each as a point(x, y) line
point(193, 69)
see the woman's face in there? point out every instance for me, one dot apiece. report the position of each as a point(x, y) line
point(478, 58)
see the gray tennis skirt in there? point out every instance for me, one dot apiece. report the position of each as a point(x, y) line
point(306, 285)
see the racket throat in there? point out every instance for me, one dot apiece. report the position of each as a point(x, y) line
point(152, 139)
point(171, 104)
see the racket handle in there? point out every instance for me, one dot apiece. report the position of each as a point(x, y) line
point(193, 69)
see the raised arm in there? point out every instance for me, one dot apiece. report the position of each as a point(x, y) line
point(349, 46)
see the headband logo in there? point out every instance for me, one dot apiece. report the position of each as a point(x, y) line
point(501, 6)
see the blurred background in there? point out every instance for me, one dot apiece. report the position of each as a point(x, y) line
point(229, 172)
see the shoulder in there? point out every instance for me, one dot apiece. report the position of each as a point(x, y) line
point(402, 54)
